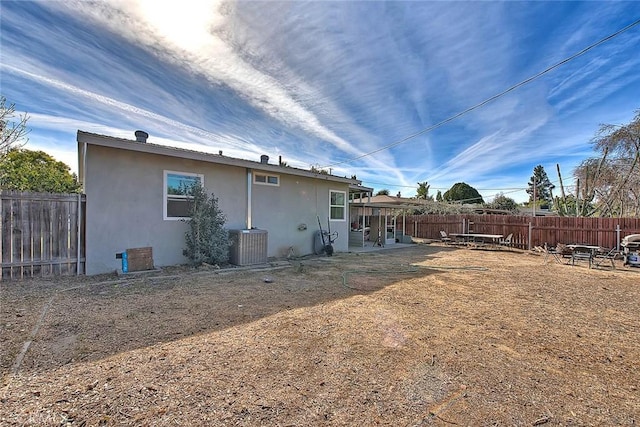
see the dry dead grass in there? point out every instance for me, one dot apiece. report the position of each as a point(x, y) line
point(411, 337)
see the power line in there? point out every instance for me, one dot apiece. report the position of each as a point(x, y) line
point(488, 100)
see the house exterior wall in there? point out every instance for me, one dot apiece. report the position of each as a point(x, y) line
point(296, 202)
point(124, 191)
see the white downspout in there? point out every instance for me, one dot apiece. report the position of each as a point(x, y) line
point(249, 181)
point(80, 218)
point(79, 231)
point(84, 167)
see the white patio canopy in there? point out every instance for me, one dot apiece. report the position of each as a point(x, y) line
point(374, 219)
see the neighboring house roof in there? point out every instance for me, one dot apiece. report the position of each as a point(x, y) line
point(490, 211)
point(384, 201)
point(145, 147)
point(524, 211)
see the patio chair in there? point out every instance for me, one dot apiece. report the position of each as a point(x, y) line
point(444, 237)
point(551, 253)
point(506, 241)
point(558, 253)
point(606, 255)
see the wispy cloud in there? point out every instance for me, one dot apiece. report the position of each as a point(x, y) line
point(193, 37)
point(321, 83)
point(129, 109)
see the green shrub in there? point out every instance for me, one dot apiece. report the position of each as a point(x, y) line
point(207, 240)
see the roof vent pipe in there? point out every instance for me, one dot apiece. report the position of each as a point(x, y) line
point(141, 136)
point(264, 159)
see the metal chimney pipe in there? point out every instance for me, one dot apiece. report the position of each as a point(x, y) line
point(141, 136)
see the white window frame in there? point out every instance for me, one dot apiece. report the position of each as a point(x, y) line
point(343, 206)
point(165, 196)
point(266, 179)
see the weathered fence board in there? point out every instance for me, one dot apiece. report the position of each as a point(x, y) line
point(528, 232)
point(40, 234)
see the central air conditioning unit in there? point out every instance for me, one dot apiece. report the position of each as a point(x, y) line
point(248, 247)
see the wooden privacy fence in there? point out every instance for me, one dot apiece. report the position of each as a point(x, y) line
point(42, 234)
point(528, 232)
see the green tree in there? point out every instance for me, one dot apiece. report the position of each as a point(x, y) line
point(462, 192)
point(12, 134)
point(439, 196)
point(383, 192)
point(503, 202)
point(423, 191)
point(207, 240)
point(27, 170)
point(540, 189)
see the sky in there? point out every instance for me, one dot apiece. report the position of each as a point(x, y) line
point(360, 87)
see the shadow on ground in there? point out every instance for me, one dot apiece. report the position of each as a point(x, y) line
point(82, 319)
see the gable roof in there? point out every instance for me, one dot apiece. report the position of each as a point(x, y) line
point(89, 138)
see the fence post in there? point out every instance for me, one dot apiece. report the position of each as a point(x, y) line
point(415, 227)
point(2, 231)
point(79, 229)
point(617, 237)
point(530, 233)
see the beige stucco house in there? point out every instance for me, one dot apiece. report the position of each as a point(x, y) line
point(133, 199)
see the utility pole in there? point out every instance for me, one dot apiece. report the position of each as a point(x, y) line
point(534, 195)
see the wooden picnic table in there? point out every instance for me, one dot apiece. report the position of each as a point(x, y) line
point(478, 238)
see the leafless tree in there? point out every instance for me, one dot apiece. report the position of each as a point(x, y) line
point(612, 180)
point(14, 131)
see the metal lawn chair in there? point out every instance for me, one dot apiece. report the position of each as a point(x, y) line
point(506, 241)
point(444, 237)
point(606, 255)
point(558, 253)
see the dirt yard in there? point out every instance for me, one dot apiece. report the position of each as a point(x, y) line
point(425, 335)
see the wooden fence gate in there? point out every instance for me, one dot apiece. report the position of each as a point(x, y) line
point(43, 234)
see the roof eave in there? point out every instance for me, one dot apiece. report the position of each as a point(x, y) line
point(145, 147)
